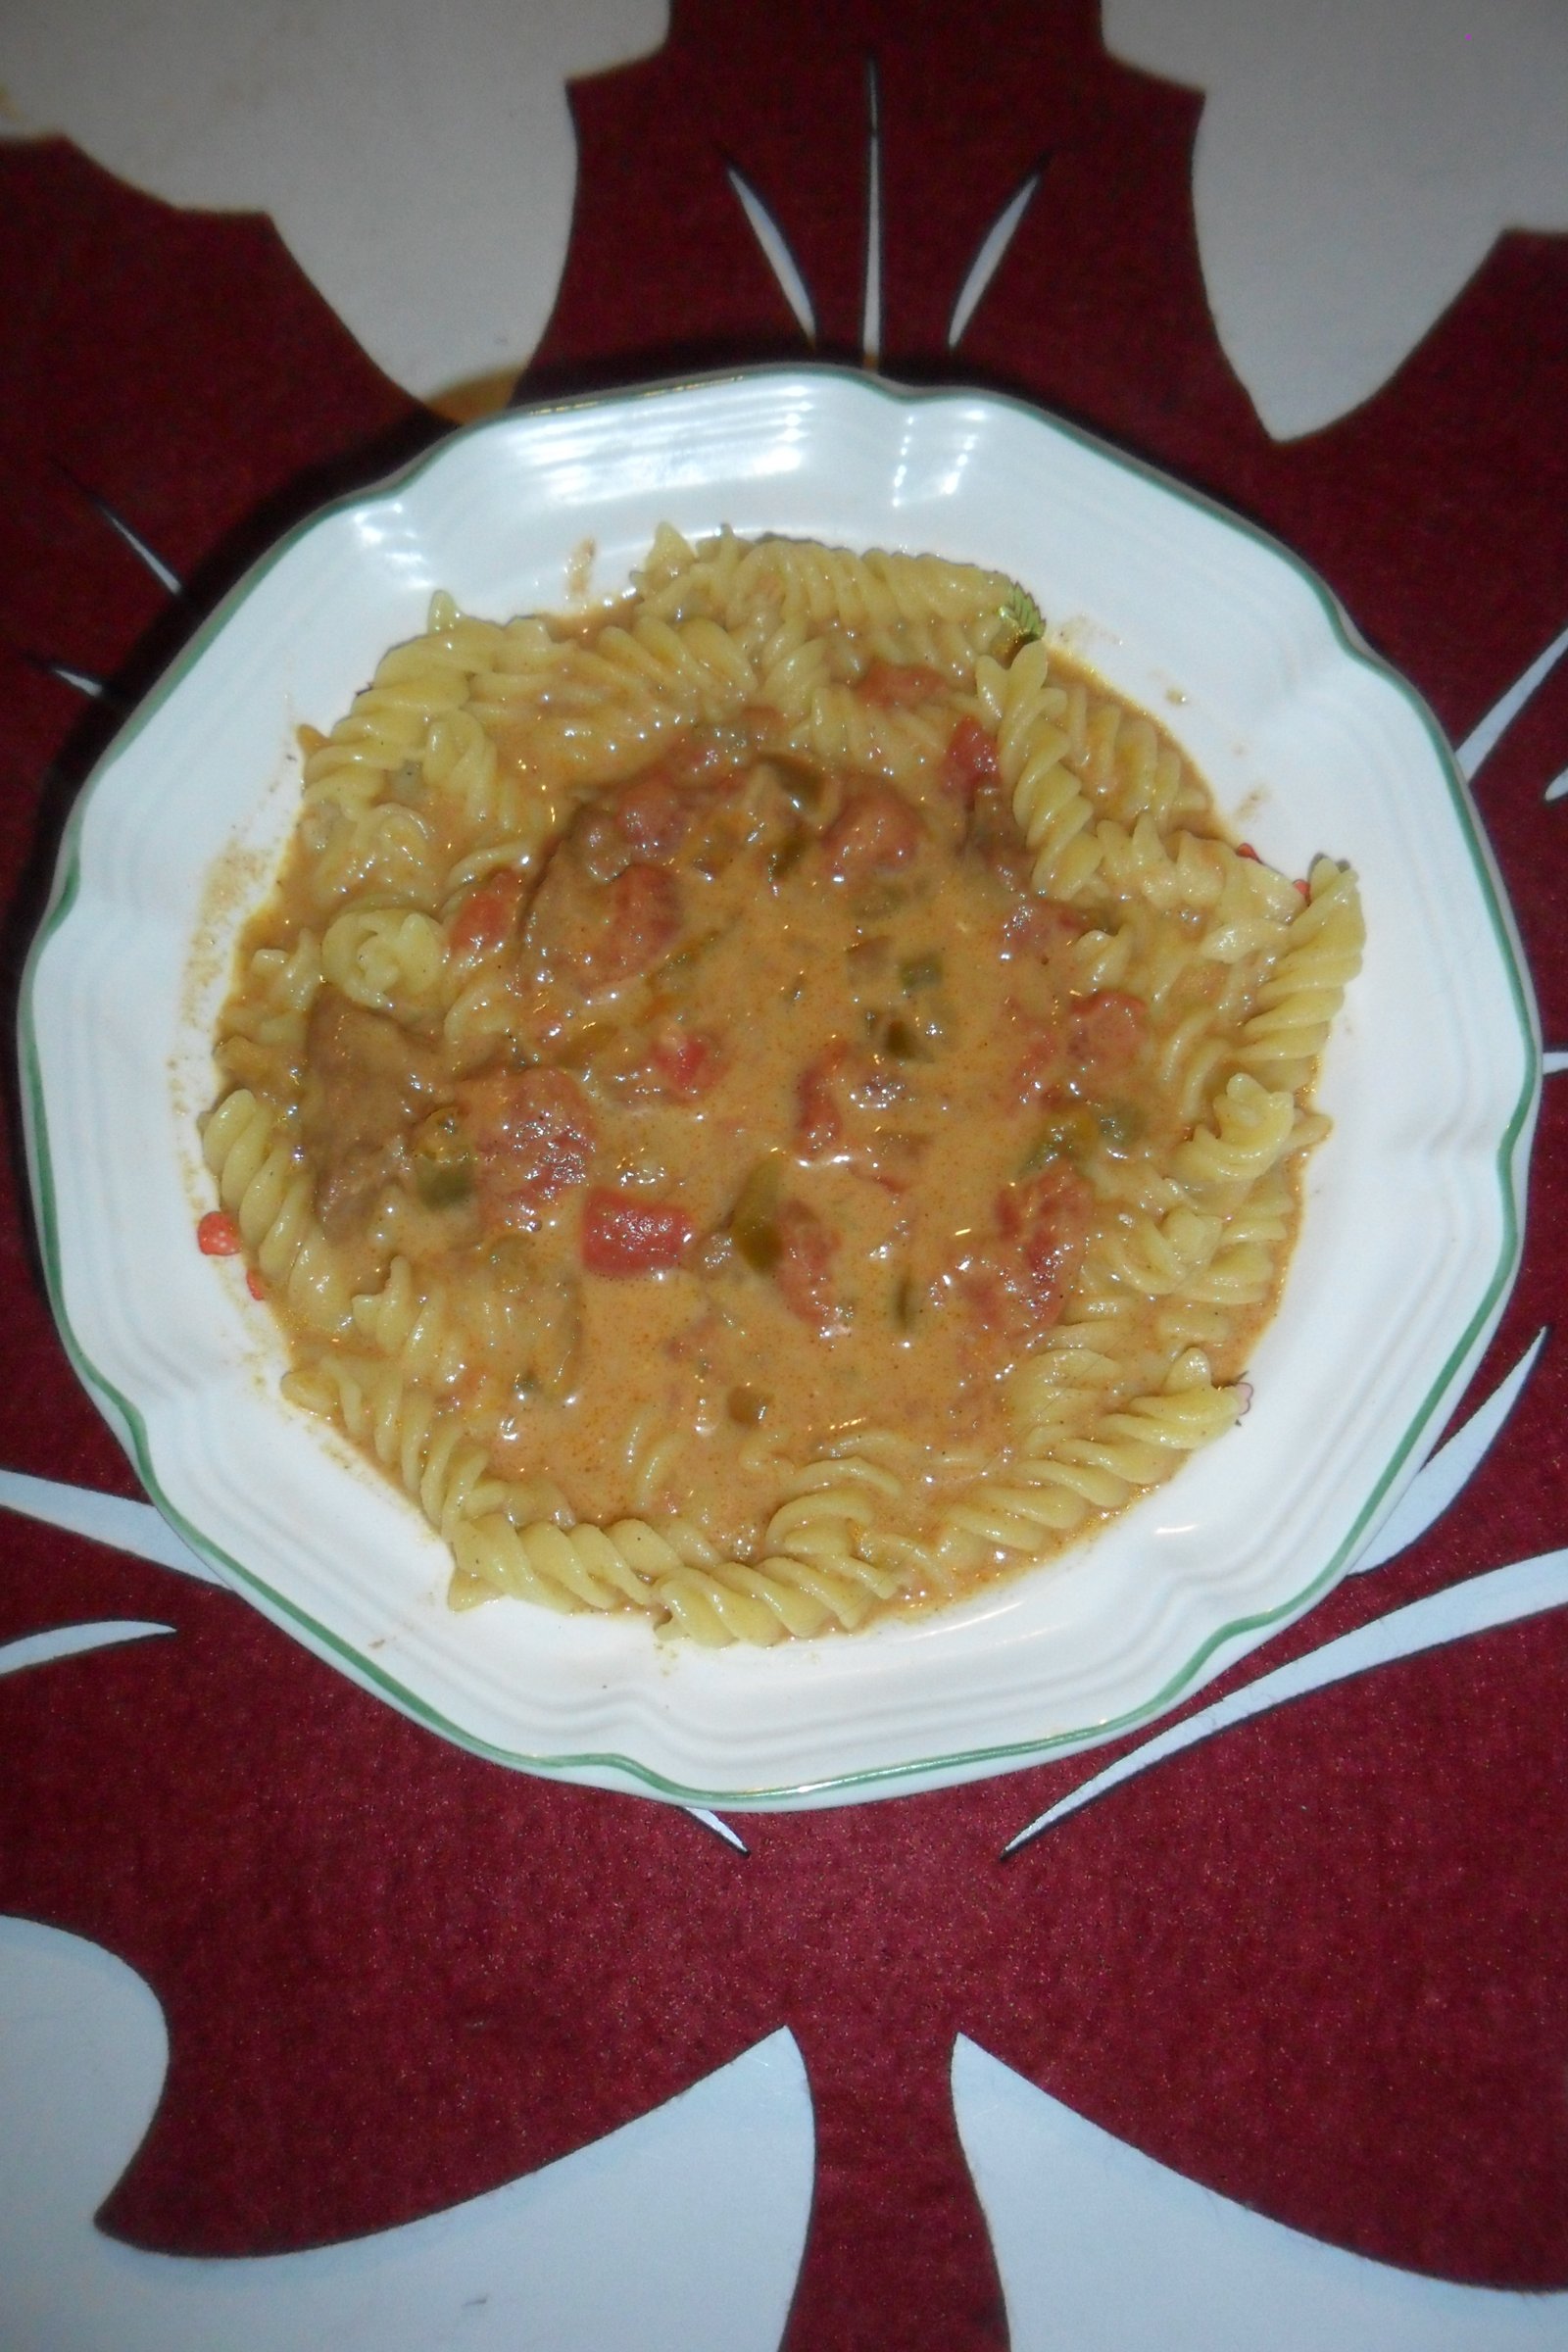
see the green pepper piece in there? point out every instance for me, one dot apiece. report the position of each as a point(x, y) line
point(1068, 1134)
point(920, 971)
point(904, 1042)
point(791, 850)
point(678, 965)
point(443, 1182)
point(578, 1048)
point(803, 785)
point(1121, 1124)
point(443, 1164)
point(753, 1220)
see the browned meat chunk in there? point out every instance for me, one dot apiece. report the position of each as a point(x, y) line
point(366, 1082)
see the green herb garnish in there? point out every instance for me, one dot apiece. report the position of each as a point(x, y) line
point(1021, 611)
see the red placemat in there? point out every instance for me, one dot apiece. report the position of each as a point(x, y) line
point(1316, 1964)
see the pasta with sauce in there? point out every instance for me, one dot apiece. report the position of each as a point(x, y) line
point(773, 1105)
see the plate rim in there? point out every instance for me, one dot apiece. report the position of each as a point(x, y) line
point(609, 1768)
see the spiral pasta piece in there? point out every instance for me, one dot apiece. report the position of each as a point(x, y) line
point(1053, 813)
point(840, 728)
point(427, 1445)
point(385, 727)
point(1298, 1004)
point(1126, 1450)
point(832, 586)
point(1251, 1128)
point(417, 1327)
point(270, 1195)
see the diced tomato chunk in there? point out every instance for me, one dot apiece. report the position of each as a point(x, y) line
point(1107, 1028)
point(876, 832)
point(994, 837)
point(218, 1234)
point(970, 760)
point(487, 916)
point(532, 1135)
point(818, 1118)
point(1018, 1283)
point(805, 1266)
point(990, 1295)
point(845, 1104)
point(1039, 1069)
point(900, 685)
point(1054, 1211)
point(624, 1234)
point(1057, 1197)
point(685, 1062)
point(1039, 926)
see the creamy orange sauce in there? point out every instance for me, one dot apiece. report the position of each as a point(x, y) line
point(731, 1108)
point(885, 1041)
point(873, 1052)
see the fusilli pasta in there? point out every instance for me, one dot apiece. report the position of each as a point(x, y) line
point(774, 1104)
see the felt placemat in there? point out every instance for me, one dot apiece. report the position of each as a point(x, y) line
point(1316, 1964)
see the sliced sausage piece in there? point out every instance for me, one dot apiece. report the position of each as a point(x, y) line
point(599, 933)
point(532, 1135)
point(487, 918)
point(643, 823)
point(654, 815)
point(643, 925)
point(876, 832)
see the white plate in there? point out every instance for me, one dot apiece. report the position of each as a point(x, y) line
point(1414, 1206)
